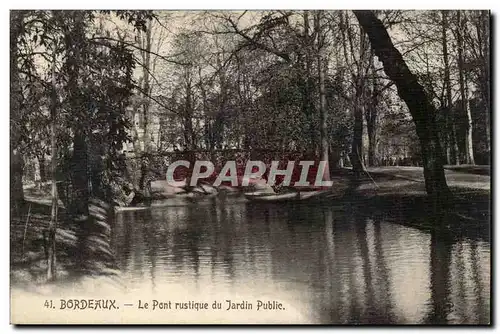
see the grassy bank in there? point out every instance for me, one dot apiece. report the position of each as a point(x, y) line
point(398, 194)
point(82, 247)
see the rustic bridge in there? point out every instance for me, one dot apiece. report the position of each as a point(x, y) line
point(157, 163)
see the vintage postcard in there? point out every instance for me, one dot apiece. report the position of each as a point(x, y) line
point(250, 167)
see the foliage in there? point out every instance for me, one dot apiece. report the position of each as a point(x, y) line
point(236, 80)
point(93, 81)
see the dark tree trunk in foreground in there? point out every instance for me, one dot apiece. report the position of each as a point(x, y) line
point(16, 159)
point(422, 111)
point(16, 179)
point(79, 161)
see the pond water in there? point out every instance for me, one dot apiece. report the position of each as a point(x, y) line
point(325, 264)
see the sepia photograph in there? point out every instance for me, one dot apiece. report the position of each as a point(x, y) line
point(219, 167)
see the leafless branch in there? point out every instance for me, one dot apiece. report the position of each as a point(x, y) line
point(138, 48)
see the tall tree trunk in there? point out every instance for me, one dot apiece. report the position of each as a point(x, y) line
point(16, 180)
point(469, 153)
point(79, 162)
point(244, 104)
point(41, 162)
point(16, 159)
point(357, 140)
point(483, 41)
point(80, 180)
point(323, 113)
point(146, 58)
point(357, 150)
point(485, 86)
point(308, 105)
point(188, 121)
point(372, 138)
point(451, 128)
point(371, 114)
point(422, 111)
point(188, 127)
point(146, 92)
point(322, 68)
point(222, 103)
point(208, 131)
point(469, 142)
point(51, 261)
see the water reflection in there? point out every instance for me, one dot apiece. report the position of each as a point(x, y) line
point(440, 280)
point(330, 264)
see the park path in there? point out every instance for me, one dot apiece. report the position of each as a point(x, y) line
point(464, 177)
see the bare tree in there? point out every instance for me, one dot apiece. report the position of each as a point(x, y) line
point(450, 120)
point(145, 42)
point(322, 68)
point(459, 34)
point(359, 70)
point(422, 111)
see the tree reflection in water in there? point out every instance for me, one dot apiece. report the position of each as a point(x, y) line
point(334, 264)
point(440, 250)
